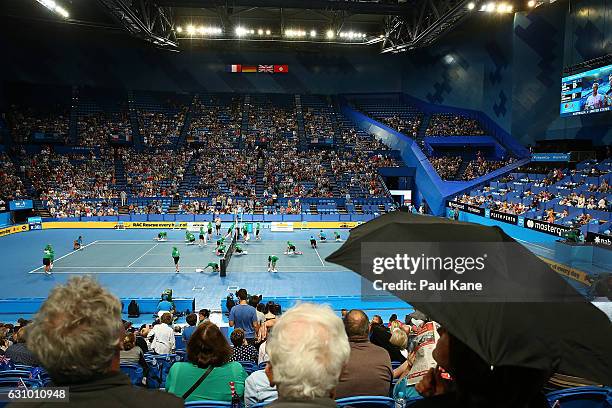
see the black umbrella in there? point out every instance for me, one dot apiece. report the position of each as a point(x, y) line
point(555, 329)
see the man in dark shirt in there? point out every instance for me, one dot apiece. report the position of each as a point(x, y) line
point(368, 371)
point(18, 352)
point(380, 336)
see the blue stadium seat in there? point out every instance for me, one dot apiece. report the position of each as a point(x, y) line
point(15, 374)
point(14, 382)
point(582, 397)
point(261, 404)
point(208, 404)
point(366, 402)
point(249, 366)
point(134, 371)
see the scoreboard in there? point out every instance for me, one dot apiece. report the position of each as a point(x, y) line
point(577, 92)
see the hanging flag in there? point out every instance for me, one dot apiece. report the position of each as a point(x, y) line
point(283, 69)
point(233, 68)
point(266, 68)
point(249, 68)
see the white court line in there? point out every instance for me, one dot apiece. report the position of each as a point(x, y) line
point(322, 263)
point(63, 256)
point(140, 257)
point(182, 266)
point(535, 245)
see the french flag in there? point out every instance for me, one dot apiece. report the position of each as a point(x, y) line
point(234, 68)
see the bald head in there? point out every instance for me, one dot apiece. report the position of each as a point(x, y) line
point(356, 323)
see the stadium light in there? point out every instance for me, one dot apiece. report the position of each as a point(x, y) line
point(490, 7)
point(191, 29)
point(531, 3)
point(471, 6)
point(241, 31)
point(179, 29)
point(260, 32)
point(313, 33)
point(330, 34)
point(268, 32)
point(54, 7)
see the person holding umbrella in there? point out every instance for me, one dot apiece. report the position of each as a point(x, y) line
point(500, 348)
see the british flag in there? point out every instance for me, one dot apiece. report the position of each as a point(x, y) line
point(266, 68)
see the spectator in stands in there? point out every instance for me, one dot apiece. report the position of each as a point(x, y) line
point(477, 384)
point(131, 353)
point(76, 335)
point(141, 337)
point(203, 316)
point(208, 352)
point(308, 349)
point(188, 330)
point(161, 336)
point(18, 352)
point(368, 371)
point(380, 336)
point(243, 351)
point(257, 389)
point(243, 316)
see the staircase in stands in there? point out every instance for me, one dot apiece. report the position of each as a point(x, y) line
point(121, 182)
point(133, 115)
point(182, 140)
point(187, 183)
point(299, 119)
point(244, 126)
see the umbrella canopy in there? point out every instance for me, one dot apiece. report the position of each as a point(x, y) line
point(571, 337)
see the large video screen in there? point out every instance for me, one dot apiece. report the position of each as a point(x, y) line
point(587, 92)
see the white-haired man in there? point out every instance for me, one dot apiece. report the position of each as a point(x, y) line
point(308, 350)
point(77, 335)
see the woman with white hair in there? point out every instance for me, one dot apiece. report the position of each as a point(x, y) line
point(308, 349)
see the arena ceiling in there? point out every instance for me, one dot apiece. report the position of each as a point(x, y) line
point(389, 25)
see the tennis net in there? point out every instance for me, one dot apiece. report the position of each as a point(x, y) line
point(223, 264)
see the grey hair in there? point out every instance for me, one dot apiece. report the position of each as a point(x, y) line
point(77, 331)
point(308, 350)
point(399, 338)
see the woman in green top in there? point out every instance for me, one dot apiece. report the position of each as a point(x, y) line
point(207, 349)
point(209, 230)
point(48, 256)
point(257, 236)
point(176, 255)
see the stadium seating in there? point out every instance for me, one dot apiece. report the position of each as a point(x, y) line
point(366, 402)
point(577, 198)
point(581, 397)
point(134, 371)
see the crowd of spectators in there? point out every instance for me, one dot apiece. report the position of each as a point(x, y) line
point(318, 123)
point(480, 167)
point(355, 172)
point(270, 123)
point(215, 123)
point(446, 124)
point(446, 166)
point(406, 125)
point(100, 128)
point(11, 185)
point(155, 173)
point(54, 123)
point(296, 174)
point(160, 128)
point(307, 355)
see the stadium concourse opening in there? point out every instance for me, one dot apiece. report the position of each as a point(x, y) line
point(337, 188)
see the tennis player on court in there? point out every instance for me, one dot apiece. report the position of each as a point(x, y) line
point(202, 238)
point(213, 265)
point(291, 250)
point(257, 235)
